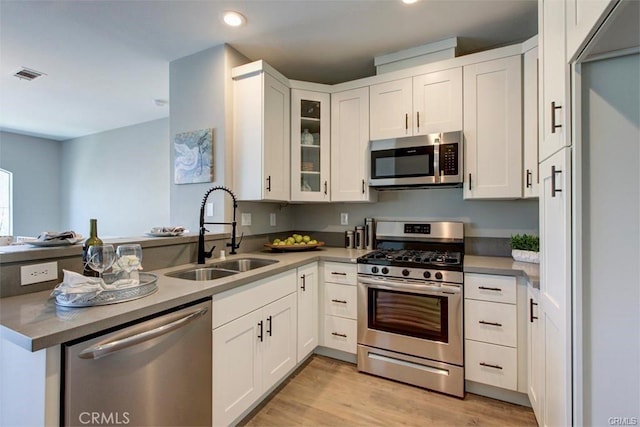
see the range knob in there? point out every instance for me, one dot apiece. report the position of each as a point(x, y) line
point(426, 275)
point(374, 270)
point(439, 275)
point(405, 272)
point(385, 270)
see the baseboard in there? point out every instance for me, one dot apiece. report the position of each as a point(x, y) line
point(497, 393)
point(336, 354)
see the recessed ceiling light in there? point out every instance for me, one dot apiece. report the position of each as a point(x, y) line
point(409, 1)
point(233, 18)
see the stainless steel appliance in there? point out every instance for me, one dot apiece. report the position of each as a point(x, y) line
point(410, 305)
point(153, 373)
point(433, 159)
point(369, 232)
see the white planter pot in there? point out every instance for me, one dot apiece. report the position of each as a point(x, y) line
point(525, 256)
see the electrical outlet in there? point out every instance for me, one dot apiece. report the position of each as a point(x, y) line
point(245, 219)
point(37, 273)
point(344, 218)
point(209, 209)
point(272, 219)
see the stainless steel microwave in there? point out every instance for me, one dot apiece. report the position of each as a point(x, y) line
point(417, 161)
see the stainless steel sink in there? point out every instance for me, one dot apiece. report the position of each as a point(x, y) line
point(244, 264)
point(205, 273)
point(221, 269)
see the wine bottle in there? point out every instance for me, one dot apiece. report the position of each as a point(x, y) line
point(93, 240)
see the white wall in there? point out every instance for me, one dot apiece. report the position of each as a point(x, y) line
point(120, 177)
point(611, 239)
point(481, 218)
point(35, 163)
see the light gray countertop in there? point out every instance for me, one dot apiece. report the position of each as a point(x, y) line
point(34, 321)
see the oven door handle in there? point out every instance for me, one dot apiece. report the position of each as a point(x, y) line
point(419, 288)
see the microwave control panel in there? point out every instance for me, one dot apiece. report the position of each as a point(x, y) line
point(449, 159)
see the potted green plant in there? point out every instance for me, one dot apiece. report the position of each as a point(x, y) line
point(526, 248)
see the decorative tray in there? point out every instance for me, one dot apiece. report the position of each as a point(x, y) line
point(293, 248)
point(148, 285)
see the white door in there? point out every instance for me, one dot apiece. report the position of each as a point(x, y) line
point(237, 368)
point(437, 102)
point(307, 310)
point(279, 346)
point(276, 134)
point(555, 286)
point(391, 109)
point(493, 129)
point(554, 108)
point(349, 143)
point(530, 124)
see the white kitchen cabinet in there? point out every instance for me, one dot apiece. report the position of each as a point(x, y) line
point(307, 309)
point(493, 129)
point(349, 147)
point(427, 103)
point(254, 343)
point(535, 353)
point(339, 302)
point(261, 135)
point(310, 146)
point(530, 124)
point(554, 114)
point(581, 22)
point(555, 287)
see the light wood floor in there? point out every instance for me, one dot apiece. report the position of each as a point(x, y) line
point(328, 392)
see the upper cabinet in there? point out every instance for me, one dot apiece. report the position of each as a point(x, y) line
point(530, 124)
point(428, 103)
point(493, 129)
point(261, 126)
point(349, 146)
point(310, 145)
point(554, 118)
point(582, 19)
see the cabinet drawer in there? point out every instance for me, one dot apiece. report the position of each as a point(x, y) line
point(491, 322)
point(340, 333)
point(490, 287)
point(491, 364)
point(340, 300)
point(340, 272)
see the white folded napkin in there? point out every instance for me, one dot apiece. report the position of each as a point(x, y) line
point(168, 229)
point(75, 285)
point(54, 235)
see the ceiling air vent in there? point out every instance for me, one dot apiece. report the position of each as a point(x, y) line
point(28, 74)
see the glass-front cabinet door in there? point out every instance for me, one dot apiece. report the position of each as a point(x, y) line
point(310, 141)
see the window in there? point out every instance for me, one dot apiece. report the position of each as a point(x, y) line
point(6, 208)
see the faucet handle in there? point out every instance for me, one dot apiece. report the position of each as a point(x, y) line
point(209, 254)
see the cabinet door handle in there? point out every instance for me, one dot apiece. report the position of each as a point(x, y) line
point(418, 119)
point(488, 365)
point(340, 301)
point(469, 182)
point(269, 325)
point(304, 282)
point(269, 183)
point(529, 176)
point(363, 186)
point(490, 323)
point(485, 288)
point(406, 121)
point(325, 188)
point(337, 334)
point(554, 190)
point(260, 324)
point(339, 273)
point(531, 316)
point(554, 107)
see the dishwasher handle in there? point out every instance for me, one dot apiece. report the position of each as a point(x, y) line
point(104, 349)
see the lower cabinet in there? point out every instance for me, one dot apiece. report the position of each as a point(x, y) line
point(307, 310)
point(340, 307)
point(252, 352)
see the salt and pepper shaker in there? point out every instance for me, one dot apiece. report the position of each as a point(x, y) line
point(360, 243)
point(349, 241)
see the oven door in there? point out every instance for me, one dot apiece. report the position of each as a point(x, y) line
point(399, 164)
point(414, 317)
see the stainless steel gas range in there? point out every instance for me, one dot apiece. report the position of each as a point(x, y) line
point(410, 305)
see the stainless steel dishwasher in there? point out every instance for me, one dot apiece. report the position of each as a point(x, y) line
point(156, 372)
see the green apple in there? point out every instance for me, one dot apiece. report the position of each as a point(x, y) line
point(298, 238)
point(306, 238)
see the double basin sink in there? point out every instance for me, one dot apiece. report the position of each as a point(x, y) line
point(221, 269)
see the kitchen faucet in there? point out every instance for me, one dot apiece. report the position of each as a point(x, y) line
point(202, 253)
